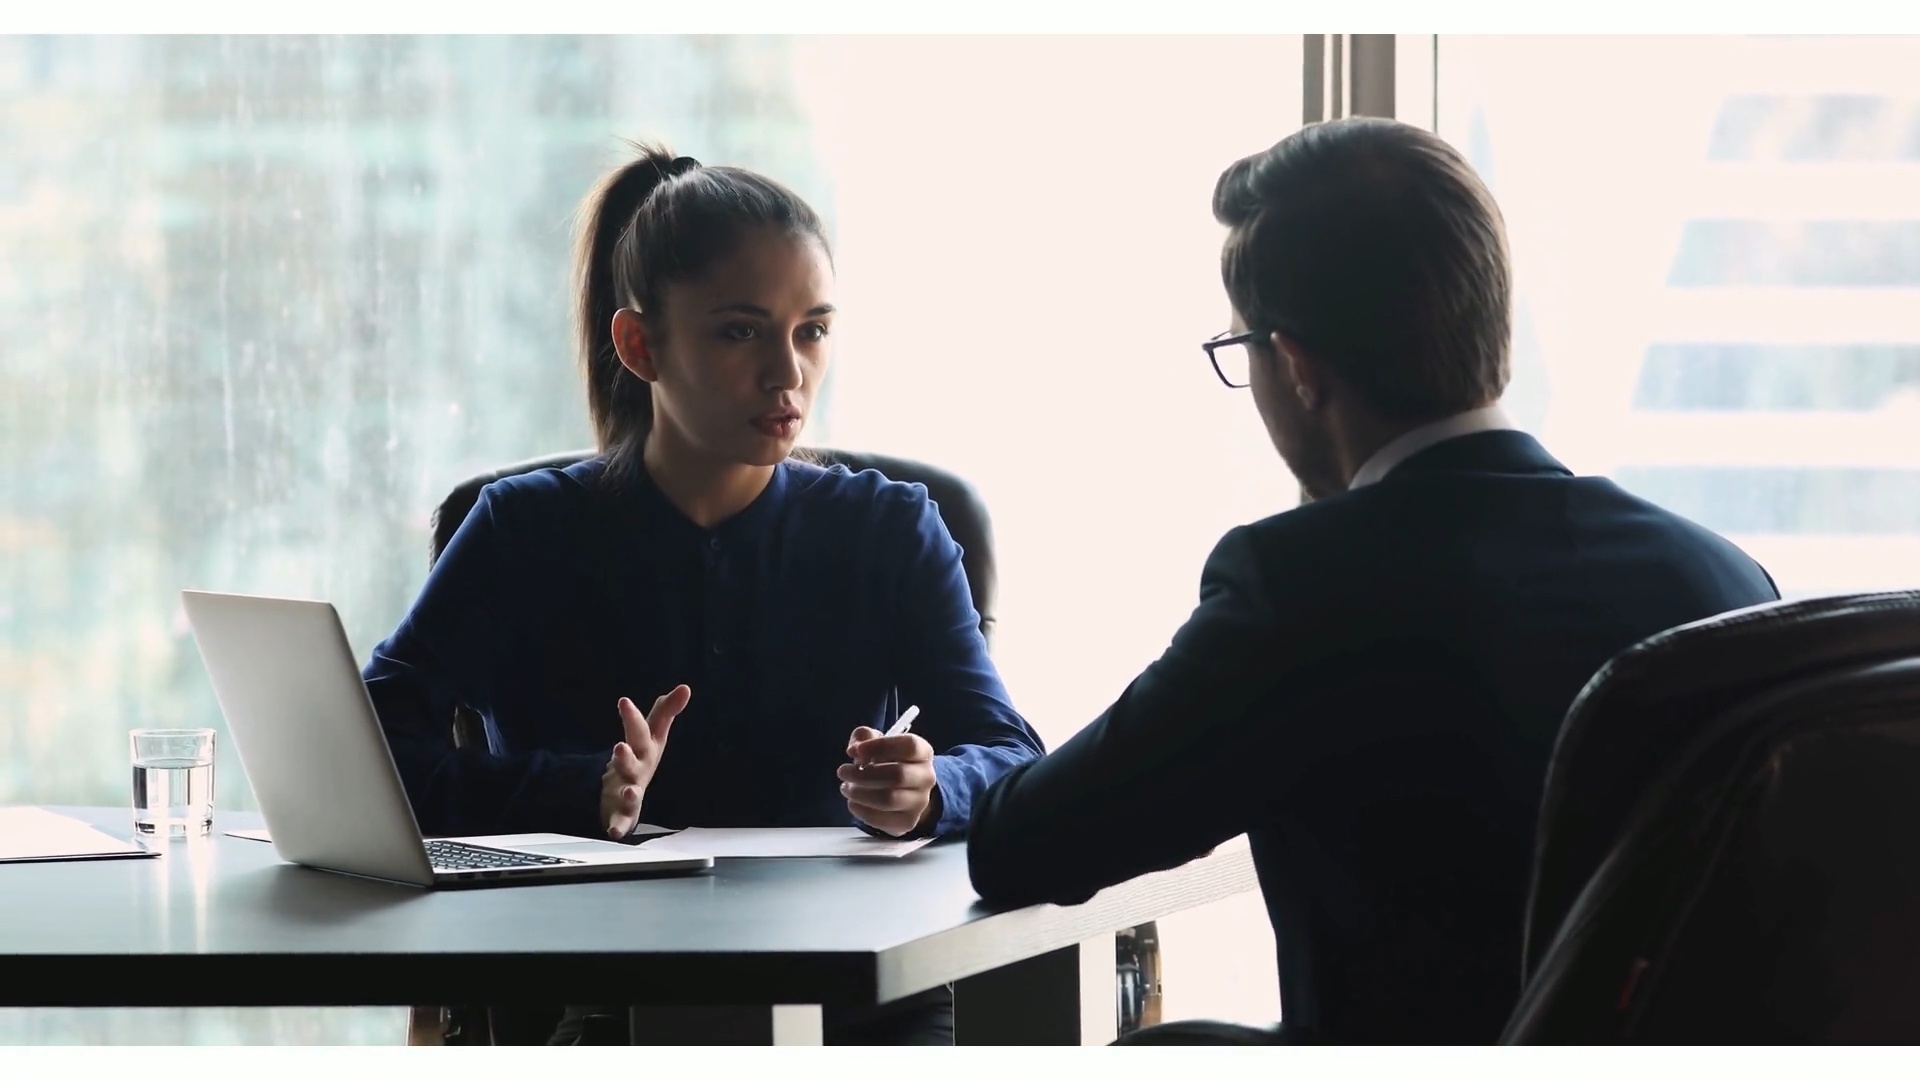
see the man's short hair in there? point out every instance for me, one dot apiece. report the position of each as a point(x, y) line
point(1374, 244)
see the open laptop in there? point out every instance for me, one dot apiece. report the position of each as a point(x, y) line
point(312, 746)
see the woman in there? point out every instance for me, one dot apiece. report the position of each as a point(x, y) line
point(694, 628)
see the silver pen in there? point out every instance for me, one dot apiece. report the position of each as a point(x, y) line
point(904, 724)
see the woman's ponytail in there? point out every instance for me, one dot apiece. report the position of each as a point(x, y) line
point(619, 401)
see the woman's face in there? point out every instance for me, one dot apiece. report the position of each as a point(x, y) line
point(739, 353)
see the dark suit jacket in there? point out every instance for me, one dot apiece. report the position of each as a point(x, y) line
point(1370, 689)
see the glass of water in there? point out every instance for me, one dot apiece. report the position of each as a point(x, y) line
point(173, 781)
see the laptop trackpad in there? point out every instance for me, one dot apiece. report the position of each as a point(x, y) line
point(559, 845)
point(584, 850)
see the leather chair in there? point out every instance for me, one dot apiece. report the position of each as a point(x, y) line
point(1729, 841)
point(965, 516)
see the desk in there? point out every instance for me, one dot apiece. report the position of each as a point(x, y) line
point(223, 921)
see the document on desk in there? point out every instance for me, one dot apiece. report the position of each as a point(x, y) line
point(30, 834)
point(783, 844)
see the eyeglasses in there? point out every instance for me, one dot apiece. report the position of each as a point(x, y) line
point(1232, 356)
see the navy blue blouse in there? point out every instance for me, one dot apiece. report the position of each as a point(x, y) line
point(834, 600)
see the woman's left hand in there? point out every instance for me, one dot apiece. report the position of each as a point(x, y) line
point(890, 784)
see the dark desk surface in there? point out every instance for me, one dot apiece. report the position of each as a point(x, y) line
point(224, 922)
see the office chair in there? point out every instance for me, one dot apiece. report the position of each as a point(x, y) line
point(965, 516)
point(1729, 842)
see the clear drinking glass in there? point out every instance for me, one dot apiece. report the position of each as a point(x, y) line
point(173, 781)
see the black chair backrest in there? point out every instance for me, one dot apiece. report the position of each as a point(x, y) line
point(1729, 843)
point(959, 504)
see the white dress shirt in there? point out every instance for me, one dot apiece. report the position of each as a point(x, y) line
point(1471, 422)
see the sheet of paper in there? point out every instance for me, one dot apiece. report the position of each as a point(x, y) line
point(30, 834)
point(783, 844)
point(251, 834)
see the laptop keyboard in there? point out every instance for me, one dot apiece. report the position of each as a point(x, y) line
point(454, 855)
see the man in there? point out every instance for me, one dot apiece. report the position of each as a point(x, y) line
point(1373, 681)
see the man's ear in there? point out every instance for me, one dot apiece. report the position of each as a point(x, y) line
point(631, 342)
point(1303, 370)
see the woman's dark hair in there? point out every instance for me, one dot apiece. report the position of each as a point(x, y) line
point(656, 220)
point(1374, 244)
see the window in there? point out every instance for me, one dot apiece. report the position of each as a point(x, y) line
point(1717, 245)
point(267, 299)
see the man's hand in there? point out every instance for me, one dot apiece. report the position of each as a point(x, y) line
point(624, 784)
point(890, 783)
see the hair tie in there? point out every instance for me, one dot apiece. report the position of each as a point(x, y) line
point(681, 166)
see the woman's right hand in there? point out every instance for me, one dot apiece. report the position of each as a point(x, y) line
point(624, 784)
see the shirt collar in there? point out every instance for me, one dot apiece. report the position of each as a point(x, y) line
point(1471, 422)
point(765, 505)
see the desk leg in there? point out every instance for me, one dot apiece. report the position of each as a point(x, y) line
point(763, 1025)
point(1061, 998)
